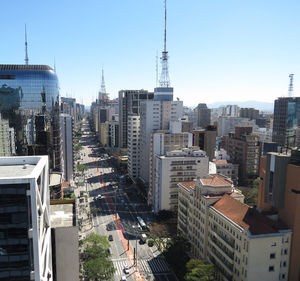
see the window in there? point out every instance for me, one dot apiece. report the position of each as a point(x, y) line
point(272, 256)
point(283, 276)
point(285, 251)
point(271, 268)
point(284, 264)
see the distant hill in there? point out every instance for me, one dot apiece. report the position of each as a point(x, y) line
point(262, 106)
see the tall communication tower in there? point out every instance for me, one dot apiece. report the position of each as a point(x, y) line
point(26, 52)
point(291, 85)
point(103, 90)
point(164, 80)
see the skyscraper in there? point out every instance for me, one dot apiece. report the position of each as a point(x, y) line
point(28, 91)
point(203, 115)
point(129, 103)
point(286, 120)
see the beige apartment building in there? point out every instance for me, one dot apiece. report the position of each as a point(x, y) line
point(242, 243)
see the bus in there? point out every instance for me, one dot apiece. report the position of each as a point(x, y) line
point(142, 223)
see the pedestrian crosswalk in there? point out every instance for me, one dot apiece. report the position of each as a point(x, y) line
point(154, 265)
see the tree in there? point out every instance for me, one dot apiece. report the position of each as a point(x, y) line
point(96, 259)
point(251, 193)
point(81, 168)
point(176, 254)
point(78, 147)
point(197, 270)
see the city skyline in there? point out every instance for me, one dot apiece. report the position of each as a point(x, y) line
point(217, 51)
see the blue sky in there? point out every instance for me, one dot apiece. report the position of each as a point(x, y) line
point(219, 50)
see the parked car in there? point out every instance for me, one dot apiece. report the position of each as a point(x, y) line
point(123, 278)
point(110, 238)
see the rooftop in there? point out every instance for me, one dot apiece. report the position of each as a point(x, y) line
point(15, 171)
point(190, 185)
point(24, 66)
point(220, 162)
point(62, 215)
point(246, 217)
point(216, 180)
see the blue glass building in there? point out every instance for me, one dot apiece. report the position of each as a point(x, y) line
point(27, 82)
point(29, 100)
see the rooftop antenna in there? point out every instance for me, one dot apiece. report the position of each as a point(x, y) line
point(26, 52)
point(54, 66)
point(156, 69)
point(164, 80)
point(291, 85)
point(103, 90)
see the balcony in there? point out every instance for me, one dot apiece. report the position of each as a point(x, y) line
point(220, 246)
point(221, 259)
point(218, 234)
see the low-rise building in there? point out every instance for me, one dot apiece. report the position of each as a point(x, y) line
point(227, 169)
point(241, 242)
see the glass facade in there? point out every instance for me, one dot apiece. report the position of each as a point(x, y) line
point(23, 84)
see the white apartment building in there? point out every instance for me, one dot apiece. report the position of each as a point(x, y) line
point(228, 124)
point(176, 166)
point(242, 243)
point(154, 115)
point(162, 142)
point(25, 228)
point(133, 144)
point(67, 143)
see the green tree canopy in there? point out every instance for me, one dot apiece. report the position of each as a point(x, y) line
point(81, 168)
point(197, 270)
point(97, 264)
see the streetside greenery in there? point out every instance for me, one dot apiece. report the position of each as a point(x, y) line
point(97, 264)
point(197, 270)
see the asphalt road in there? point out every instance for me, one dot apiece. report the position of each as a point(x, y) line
point(115, 213)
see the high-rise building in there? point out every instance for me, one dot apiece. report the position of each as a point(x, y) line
point(286, 120)
point(129, 103)
point(244, 148)
point(67, 141)
point(241, 242)
point(172, 168)
point(250, 113)
point(203, 115)
point(7, 139)
point(161, 143)
point(205, 139)
point(25, 92)
point(279, 192)
point(133, 144)
point(25, 233)
point(154, 115)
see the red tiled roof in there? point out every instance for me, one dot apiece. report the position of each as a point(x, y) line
point(246, 217)
point(216, 180)
point(189, 184)
point(219, 162)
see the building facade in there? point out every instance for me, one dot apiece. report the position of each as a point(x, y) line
point(161, 143)
point(242, 243)
point(203, 115)
point(176, 166)
point(286, 120)
point(228, 124)
point(250, 113)
point(133, 144)
point(129, 103)
point(278, 193)
point(67, 140)
point(25, 230)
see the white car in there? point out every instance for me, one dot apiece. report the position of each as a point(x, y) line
point(99, 196)
point(126, 270)
point(123, 278)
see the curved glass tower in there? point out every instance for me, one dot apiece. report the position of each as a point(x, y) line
point(29, 104)
point(23, 84)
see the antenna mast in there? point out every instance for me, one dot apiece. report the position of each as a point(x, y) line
point(103, 90)
point(164, 76)
point(291, 85)
point(26, 52)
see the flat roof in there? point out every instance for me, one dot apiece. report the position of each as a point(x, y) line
point(16, 171)
point(61, 215)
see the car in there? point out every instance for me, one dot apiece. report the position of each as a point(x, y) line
point(126, 269)
point(123, 278)
point(108, 251)
point(110, 238)
point(99, 196)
